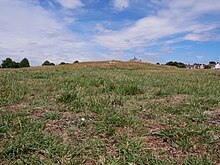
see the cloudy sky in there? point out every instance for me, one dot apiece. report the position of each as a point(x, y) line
point(88, 30)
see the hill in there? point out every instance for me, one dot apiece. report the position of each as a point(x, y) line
point(119, 64)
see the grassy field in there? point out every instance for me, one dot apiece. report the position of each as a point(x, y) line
point(109, 114)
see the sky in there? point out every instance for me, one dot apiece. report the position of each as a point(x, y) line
point(98, 30)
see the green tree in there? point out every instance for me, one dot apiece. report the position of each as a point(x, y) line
point(8, 63)
point(62, 63)
point(47, 63)
point(76, 62)
point(212, 63)
point(207, 67)
point(177, 64)
point(16, 64)
point(24, 63)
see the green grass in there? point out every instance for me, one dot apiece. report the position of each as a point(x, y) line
point(91, 115)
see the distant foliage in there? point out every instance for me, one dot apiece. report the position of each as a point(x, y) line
point(212, 63)
point(9, 63)
point(62, 63)
point(177, 64)
point(76, 62)
point(16, 64)
point(24, 63)
point(207, 67)
point(47, 63)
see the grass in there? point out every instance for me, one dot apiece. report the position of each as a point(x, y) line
point(109, 114)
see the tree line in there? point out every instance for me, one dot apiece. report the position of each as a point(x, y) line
point(182, 65)
point(177, 64)
point(9, 63)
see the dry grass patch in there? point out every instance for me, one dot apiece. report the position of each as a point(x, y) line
point(173, 100)
point(214, 117)
point(14, 108)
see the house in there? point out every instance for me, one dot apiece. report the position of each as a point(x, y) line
point(135, 60)
point(195, 66)
point(212, 66)
point(217, 66)
point(190, 66)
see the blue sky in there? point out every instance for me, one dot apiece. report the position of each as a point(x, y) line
point(90, 30)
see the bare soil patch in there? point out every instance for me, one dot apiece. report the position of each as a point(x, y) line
point(214, 117)
point(14, 108)
point(171, 100)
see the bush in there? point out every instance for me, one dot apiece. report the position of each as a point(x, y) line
point(16, 64)
point(62, 63)
point(47, 63)
point(177, 64)
point(8, 63)
point(24, 63)
point(76, 62)
point(207, 67)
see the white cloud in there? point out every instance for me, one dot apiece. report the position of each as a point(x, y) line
point(202, 37)
point(200, 57)
point(177, 17)
point(70, 4)
point(120, 4)
point(28, 30)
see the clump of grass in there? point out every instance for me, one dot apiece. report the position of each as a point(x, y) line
point(52, 116)
point(129, 89)
point(113, 118)
point(68, 96)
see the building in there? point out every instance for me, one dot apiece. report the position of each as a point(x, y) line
point(212, 66)
point(195, 66)
point(217, 66)
point(190, 66)
point(135, 60)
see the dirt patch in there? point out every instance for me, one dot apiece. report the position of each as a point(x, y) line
point(14, 108)
point(214, 117)
point(171, 100)
point(216, 148)
point(38, 112)
point(170, 116)
point(111, 149)
point(153, 127)
point(162, 148)
point(53, 127)
point(125, 131)
point(215, 120)
point(71, 126)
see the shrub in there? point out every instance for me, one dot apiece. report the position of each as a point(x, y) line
point(24, 63)
point(47, 63)
point(207, 67)
point(67, 97)
point(177, 64)
point(76, 62)
point(62, 63)
point(8, 63)
point(16, 64)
